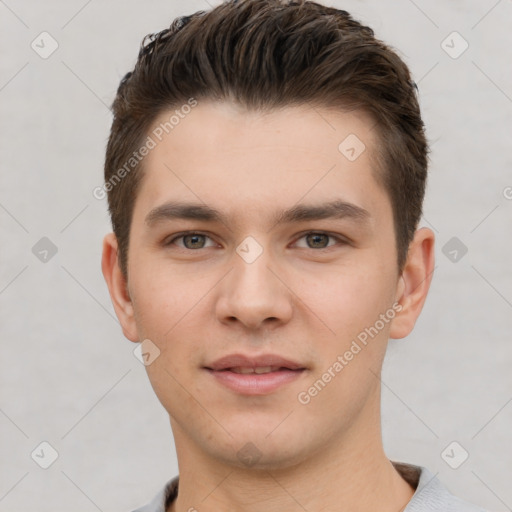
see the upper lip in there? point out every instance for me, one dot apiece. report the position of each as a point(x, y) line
point(243, 361)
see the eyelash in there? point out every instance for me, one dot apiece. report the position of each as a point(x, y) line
point(340, 240)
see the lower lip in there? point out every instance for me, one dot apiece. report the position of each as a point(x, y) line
point(253, 383)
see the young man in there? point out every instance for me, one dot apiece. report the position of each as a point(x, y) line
point(265, 173)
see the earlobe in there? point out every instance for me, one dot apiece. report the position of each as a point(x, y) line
point(414, 283)
point(118, 288)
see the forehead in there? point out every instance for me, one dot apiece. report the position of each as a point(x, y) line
point(229, 158)
point(227, 125)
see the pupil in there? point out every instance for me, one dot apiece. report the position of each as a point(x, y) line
point(316, 236)
point(194, 239)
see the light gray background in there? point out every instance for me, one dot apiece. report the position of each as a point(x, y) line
point(69, 377)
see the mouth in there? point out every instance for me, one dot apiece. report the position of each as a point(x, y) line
point(254, 376)
point(263, 363)
point(259, 370)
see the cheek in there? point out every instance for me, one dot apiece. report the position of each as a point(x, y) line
point(162, 300)
point(178, 394)
point(350, 360)
point(346, 299)
point(350, 353)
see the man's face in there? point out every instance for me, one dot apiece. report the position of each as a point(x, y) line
point(303, 288)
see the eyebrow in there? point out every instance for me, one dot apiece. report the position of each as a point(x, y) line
point(336, 209)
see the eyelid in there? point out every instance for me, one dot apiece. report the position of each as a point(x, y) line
point(339, 238)
point(169, 240)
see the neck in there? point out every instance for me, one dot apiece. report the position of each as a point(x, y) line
point(351, 473)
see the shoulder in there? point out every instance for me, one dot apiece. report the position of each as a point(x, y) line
point(162, 499)
point(431, 495)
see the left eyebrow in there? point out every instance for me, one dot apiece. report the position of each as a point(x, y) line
point(337, 209)
point(332, 210)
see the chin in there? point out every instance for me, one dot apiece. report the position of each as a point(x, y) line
point(254, 451)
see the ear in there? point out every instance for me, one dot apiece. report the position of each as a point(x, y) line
point(118, 288)
point(414, 282)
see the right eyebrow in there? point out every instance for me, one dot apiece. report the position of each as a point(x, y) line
point(175, 210)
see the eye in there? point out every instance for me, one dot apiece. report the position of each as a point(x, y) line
point(194, 240)
point(319, 240)
point(191, 240)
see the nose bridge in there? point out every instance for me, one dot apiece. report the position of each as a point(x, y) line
point(251, 272)
point(252, 293)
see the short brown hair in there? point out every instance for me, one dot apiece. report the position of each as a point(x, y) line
point(266, 54)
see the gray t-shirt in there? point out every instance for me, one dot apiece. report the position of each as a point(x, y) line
point(430, 495)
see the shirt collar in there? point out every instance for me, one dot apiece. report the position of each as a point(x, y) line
point(429, 492)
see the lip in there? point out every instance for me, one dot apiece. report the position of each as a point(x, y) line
point(252, 383)
point(241, 360)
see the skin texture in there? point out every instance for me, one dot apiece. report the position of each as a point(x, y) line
point(303, 298)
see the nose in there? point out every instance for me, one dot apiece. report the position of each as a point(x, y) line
point(255, 294)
